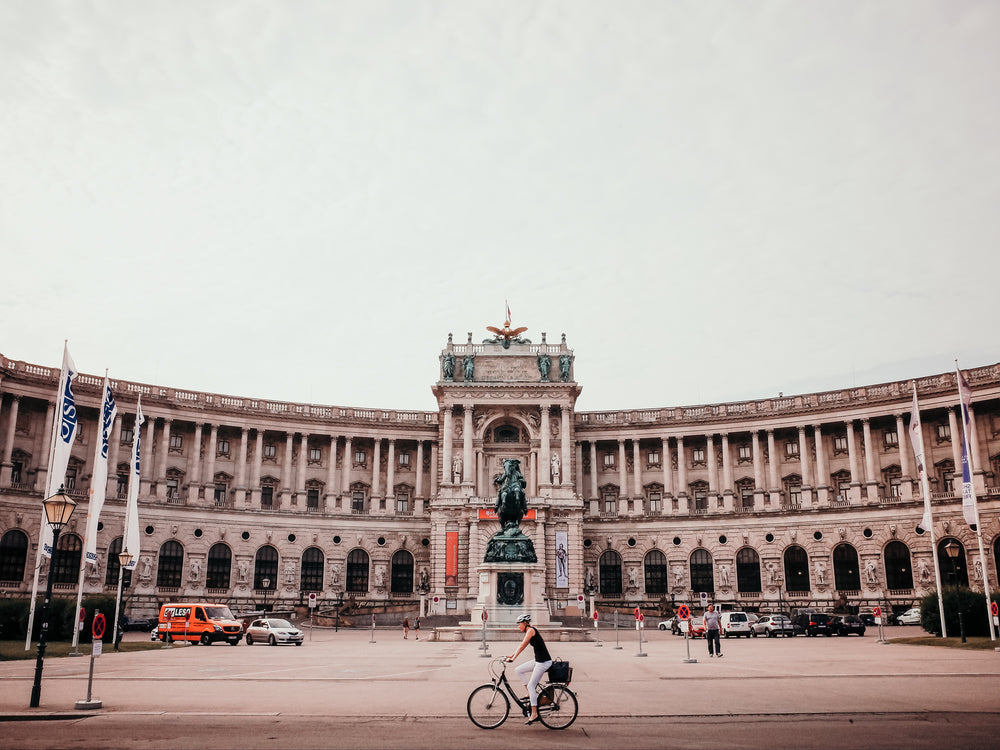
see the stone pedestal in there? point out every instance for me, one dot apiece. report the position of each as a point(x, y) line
point(509, 590)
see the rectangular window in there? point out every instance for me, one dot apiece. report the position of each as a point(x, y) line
point(609, 459)
point(653, 458)
point(359, 457)
point(122, 490)
point(795, 494)
point(698, 455)
point(891, 439)
point(269, 450)
point(70, 480)
point(746, 498)
point(127, 436)
point(404, 459)
point(222, 448)
point(655, 502)
point(895, 486)
point(220, 494)
point(15, 472)
point(173, 492)
point(701, 501)
point(358, 502)
point(312, 499)
point(840, 444)
point(944, 433)
point(176, 442)
point(315, 454)
point(611, 504)
point(843, 490)
point(402, 503)
point(792, 449)
point(744, 454)
point(266, 497)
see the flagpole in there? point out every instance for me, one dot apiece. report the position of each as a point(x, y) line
point(63, 374)
point(966, 417)
point(925, 490)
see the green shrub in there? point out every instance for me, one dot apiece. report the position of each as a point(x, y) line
point(972, 605)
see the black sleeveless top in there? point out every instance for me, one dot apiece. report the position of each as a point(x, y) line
point(541, 652)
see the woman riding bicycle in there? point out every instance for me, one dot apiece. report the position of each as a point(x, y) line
point(535, 668)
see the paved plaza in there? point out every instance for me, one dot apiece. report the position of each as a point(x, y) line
point(342, 690)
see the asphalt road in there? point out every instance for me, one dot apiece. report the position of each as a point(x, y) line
point(341, 690)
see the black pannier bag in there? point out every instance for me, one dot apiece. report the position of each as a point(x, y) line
point(560, 671)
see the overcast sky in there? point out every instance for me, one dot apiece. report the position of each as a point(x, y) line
point(715, 201)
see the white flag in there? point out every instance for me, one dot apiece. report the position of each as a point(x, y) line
point(132, 507)
point(917, 442)
point(99, 482)
point(968, 491)
point(64, 433)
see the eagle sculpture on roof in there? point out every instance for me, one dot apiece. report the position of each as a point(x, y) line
point(506, 335)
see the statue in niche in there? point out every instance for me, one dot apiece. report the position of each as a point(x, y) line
point(724, 575)
point(195, 573)
point(469, 365)
point(448, 365)
point(244, 570)
point(925, 572)
point(588, 579)
point(147, 568)
point(425, 580)
point(564, 363)
point(544, 365)
point(510, 544)
point(456, 469)
point(555, 468)
point(633, 578)
point(820, 573)
point(678, 576)
point(870, 575)
point(772, 573)
point(380, 577)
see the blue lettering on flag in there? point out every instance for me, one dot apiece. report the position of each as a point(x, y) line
point(68, 424)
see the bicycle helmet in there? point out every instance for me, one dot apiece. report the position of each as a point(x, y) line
point(524, 618)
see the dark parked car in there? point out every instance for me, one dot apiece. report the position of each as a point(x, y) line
point(868, 620)
point(850, 625)
point(813, 623)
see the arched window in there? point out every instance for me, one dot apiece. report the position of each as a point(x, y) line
point(219, 568)
point(748, 571)
point(357, 571)
point(702, 576)
point(796, 569)
point(265, 565)
point(401, 577)
point(611, 573)
point(846, 574)
point(656, 572)
point(898, 572)
point(950, 573)
point(171, 565)
point(13, 555)
point(112, 566)
point(312, 570)
point(67, 561)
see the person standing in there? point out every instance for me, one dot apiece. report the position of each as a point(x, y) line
point(406, 627)
point(712, 631)
point(416, 627)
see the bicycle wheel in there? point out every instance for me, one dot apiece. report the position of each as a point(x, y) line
point(559, 710)
point(488, 707)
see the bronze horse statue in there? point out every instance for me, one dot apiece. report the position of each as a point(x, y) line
point(511, 503)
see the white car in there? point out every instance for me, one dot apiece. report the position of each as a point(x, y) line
point(910, 617)
point(272, 631)
point(734, 623)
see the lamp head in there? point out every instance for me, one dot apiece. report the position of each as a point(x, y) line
point(58, 509)
point(266, 582)
point(124, 558)
point(951, 548)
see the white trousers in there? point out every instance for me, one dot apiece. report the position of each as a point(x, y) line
point(537, 669)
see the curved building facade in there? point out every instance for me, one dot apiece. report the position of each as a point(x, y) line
point(801, 500)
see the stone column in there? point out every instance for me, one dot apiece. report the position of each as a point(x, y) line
point(622, 480)
point(147, 458)
point(804, 466)
point(418, 491)
point(300, 472)
point(41, 476)
point(637, 470)
point(976, 463)
point(533, 481)
point(241, 465)
point(727, 473)
point(682, 477)
point(822, 472)
point(852, 452)
point(468, 460)
point(567, 428)
point(390, 475)
point(871, 480)
point(286, 473)
point(758, 472)
point(593, 470)
point(331, 474)
point(194, 476)
point(545, 463)
point(345, 475)
point(434, 469)
point(258, 464)
point(713, 469)
point(668, 475)
point(8, 445)
point(377, 471)
point(903, 443)
point(579, 468)
point(774, 469)
point(446, 447)
point(956, 451)
point(209, 478)
point(161, 471)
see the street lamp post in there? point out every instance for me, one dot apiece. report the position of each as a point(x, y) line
point(952, 549)
point(58, 510)
point(124, 560)
point(267, 584)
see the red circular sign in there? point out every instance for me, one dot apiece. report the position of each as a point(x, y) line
point(637, 613)
point(877, 611)
point(683, 612)
point(99, 626)
point(994, 609)
point(595, 615)
point(485, 616)
point(642, 617)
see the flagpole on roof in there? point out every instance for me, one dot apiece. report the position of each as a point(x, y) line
point(968, 490)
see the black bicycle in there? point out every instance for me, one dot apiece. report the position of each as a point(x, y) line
point(489, 705)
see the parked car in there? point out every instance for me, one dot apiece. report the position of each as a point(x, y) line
point(909, 617)
point(813, 623)
point(868, 619)
point(734, 623)
point(752, 617)
point(696, 625)
point(139, 623)
point(772, 626)
point(272, 631)
point(670, 624)
point(850, 625)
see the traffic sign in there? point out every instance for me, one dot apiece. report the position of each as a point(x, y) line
point(994, 609)
point(595, 615)
point(485, 616)
point(99, 626)
point(312, 601)
point(684, 612)
point(637, 613)
point(579, 597)
point(83, 617)
point(877, 611)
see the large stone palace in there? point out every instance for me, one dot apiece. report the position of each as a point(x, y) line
point(805, 499)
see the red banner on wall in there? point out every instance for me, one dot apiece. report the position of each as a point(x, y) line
point(488, 514)
point(451, 558)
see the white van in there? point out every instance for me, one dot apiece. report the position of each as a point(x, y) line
point(734, 623)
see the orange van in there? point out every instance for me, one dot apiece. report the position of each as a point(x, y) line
point(198, 621)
